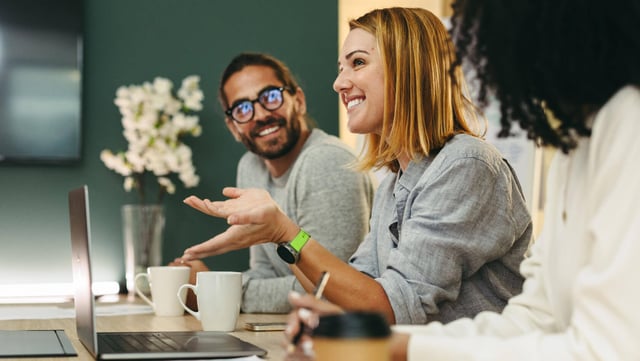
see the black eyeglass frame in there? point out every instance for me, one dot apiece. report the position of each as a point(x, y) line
point(281, 89)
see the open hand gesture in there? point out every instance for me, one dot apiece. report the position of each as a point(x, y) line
point(254, 218)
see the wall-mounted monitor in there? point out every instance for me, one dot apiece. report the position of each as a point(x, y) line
point(40, 81)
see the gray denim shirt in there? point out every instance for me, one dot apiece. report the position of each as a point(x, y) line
point(448, 235)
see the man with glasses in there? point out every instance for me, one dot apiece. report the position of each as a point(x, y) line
point(305, 170)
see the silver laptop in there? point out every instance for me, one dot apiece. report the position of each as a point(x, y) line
point(134, 345)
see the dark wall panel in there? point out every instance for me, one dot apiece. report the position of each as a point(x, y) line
point(132, 41)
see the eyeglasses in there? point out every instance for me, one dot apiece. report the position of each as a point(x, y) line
point(242, 111)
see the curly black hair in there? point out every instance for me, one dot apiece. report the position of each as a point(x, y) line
point(566, 56)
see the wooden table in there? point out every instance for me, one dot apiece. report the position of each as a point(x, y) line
point(272, 341)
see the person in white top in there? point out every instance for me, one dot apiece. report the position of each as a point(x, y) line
point(579, 64)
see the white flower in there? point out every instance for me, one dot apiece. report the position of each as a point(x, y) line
point(190, 179)
point(154, 121)
point(162, 86)
point(190, 92)
point(172, 106)
point(167, 184)
point(196, 131)
point(128, 183)
point(115, 162)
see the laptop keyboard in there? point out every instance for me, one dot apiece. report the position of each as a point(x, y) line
point(139, 342)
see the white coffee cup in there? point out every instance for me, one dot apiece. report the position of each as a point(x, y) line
point(219, 295)
point(164, 282)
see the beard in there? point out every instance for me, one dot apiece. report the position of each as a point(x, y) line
point(277, 147)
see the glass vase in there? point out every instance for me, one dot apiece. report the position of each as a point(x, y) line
point(143, 228)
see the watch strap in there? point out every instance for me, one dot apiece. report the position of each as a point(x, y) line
point(300, 240)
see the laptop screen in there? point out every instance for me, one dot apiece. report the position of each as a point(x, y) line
point(84, 300)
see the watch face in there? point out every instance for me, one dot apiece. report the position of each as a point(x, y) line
point(287, 253)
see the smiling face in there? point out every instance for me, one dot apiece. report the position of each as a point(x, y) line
point(270, 134)
point(360, 82)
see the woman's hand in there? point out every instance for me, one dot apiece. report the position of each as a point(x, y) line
point(254, 218)
point(399, 346)
point(306, 314)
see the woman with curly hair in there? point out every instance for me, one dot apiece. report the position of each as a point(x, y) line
point(577, 62)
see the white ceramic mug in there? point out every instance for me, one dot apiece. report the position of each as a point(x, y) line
point(164, 282)
point(219, 295)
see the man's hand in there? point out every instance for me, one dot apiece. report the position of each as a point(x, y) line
point(196, 266)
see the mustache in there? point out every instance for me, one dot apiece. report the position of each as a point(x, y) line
point(270, 121)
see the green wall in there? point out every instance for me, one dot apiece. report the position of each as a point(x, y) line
point(132, 41)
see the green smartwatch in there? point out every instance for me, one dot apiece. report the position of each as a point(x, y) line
point(290, 252)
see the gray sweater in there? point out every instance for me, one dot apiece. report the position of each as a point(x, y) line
point(322, 196)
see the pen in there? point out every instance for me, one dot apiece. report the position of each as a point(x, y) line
point(324, 278)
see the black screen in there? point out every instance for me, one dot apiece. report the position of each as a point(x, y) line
point(40, 80)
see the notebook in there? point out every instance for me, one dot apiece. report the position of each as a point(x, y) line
point(134, 345)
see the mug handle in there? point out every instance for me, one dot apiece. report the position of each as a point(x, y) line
point(183, 289)
point(140, 293)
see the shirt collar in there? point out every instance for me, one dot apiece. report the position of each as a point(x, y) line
point(416, 168)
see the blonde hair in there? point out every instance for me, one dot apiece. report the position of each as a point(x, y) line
point(424, 101)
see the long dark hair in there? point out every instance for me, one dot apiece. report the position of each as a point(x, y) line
point(563, 56)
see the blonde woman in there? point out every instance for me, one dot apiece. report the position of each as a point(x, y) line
point(449, 224)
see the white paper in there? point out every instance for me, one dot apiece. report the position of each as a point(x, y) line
point(31, 312)
point(246, 358)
